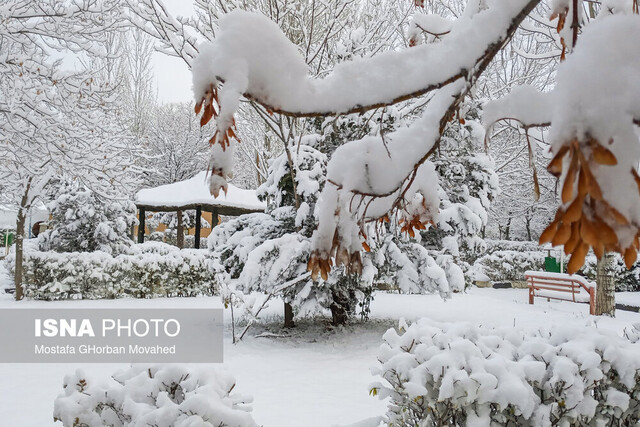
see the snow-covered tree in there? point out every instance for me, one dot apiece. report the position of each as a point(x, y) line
point(368, 178)
point(469, 184)
point(82, 221)
point(518, 213)
point(176, 144)
point(53, 118)
point(411, 262)
point(593, 135)
point(136, 72)
point(269, 252)
point(326, 32)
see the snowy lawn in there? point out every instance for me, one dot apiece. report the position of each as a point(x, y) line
point(316, 376)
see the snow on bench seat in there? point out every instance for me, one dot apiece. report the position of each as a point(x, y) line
point(561, 286)
point(580, 296)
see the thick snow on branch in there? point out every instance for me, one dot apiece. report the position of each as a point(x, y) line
point(252, 52)
point(525, 104)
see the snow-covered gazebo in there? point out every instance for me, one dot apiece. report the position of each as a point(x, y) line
point(194, 194)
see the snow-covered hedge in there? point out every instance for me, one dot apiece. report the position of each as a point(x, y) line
point(171, 237)
point(161, 396)
point(508, 260)
point(147, 270)
point(461, 374)
point(510, 265)
point(493, 245)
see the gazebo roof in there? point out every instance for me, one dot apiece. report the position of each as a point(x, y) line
point(193, 193)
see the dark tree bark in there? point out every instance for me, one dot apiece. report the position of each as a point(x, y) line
point(340, 307)
point(180, 232)
point(288, 316)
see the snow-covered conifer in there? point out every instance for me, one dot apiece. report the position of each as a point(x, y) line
point(82, 221)
point(269, 252)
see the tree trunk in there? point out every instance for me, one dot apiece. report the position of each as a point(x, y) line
point(528, 226)
point(19, 253)
point(340, 307)
point(605, 290)
point(288, 316)
point(180, 232)
point(22, 217)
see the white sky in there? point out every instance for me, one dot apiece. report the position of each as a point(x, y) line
point(172, 77)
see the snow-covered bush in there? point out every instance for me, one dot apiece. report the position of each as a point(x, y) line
point(148, 270)
point(465, 375)
point(510, 265)
point(632, 333)
point(407, 266)
point(171, 237)
point(493, 245)
point(161, 396)
point(81, 221)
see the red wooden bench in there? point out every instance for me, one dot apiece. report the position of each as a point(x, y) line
point(561, 286)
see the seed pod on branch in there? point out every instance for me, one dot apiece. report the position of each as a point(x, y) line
point(586, 220)
point(412, 215)
point(225, 131)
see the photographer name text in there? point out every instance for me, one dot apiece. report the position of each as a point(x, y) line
point(104, 349)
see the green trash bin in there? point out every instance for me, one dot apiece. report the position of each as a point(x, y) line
point(7, 238)
point(551, 265)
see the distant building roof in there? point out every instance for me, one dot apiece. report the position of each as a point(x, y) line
point(193, 193)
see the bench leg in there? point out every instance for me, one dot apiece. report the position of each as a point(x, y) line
point(531, 296)
point(592, 302)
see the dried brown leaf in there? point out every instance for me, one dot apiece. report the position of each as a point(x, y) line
point(577, 258)
point(603, 155)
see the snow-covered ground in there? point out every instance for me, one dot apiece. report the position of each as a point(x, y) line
point(316, 376)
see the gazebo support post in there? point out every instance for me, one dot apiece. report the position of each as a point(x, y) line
point(197, 236)
point(180, 233)
point(142, 215)
point(214, 217)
